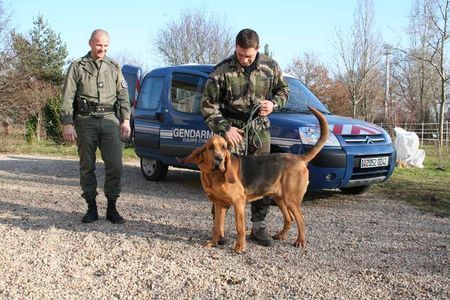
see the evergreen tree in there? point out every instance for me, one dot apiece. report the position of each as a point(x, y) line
point(42, 55)
point(39, 59)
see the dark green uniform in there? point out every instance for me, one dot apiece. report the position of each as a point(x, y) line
point(231, 88)
point(91, 90)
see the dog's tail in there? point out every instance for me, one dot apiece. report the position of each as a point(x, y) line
point(322, 139)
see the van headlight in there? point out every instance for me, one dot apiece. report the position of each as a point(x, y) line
point(310, 136)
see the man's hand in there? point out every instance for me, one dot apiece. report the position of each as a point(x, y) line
point(234, 136)
point(266, 108)
point(125, 129)
point(69, 133)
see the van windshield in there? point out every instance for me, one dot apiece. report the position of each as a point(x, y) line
point(300, 97)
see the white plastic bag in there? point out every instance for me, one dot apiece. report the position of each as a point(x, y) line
point(407, 144)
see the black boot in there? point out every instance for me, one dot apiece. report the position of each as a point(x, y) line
point(260, 234)
point(91, 214)
point(111, 212)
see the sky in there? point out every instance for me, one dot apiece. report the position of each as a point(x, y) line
point(290, 27)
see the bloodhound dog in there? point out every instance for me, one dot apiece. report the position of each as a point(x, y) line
point(231, 180)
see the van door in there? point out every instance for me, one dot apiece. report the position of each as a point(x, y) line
point(187, 129)
point(147, 116)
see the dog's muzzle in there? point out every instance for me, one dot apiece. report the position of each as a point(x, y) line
point(217, 162)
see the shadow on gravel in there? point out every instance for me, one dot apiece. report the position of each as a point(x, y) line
point(52, 167)
point(321, 194)
point(34, 218)
point(65, 172)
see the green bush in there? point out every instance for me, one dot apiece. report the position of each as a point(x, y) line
point(52, 119)
point(31, 129)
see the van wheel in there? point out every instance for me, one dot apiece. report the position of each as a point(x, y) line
point(153, 170)
point(355, 190)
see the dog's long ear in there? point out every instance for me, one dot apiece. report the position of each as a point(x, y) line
point(230, 176)
point(195, 157)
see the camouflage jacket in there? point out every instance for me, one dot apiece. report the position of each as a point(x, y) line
point(104, 85)
point(229, 85)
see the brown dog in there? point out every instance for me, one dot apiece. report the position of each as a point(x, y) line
point(231, 180)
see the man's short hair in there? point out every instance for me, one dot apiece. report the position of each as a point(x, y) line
point(247, 38)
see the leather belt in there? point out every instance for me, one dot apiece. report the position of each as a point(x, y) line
point(101, 109)
point(96, 109)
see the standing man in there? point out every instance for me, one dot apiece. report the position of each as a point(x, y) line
point(95, 113)
point(238, 85)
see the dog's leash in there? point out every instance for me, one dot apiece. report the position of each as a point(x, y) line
point(251, 124)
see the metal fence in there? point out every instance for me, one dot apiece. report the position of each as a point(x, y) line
point(428, 133)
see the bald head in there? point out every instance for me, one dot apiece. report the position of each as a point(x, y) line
point(98, 32)
point(99, 43)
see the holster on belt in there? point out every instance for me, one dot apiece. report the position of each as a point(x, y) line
point(84, 107)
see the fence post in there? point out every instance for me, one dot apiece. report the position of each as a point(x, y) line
point(421, 137)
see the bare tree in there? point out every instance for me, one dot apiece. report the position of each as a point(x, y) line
point(438, 15)
point(432, 17)
point(313, 74)
point(23, 97)
point(413, 86)
point(5, 60)
point(339, 99)
point(405, 89)
point(124, 57)
point(359, 52)
point(194, 37)
point(5, 21)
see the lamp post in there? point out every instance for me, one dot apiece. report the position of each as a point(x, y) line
point(387, 107)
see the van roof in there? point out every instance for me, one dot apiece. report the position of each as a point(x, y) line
point(207, 69)
point(204, 68)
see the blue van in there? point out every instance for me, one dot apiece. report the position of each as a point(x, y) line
point(168, 124)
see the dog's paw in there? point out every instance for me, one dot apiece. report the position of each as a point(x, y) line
point(222, 241)
point(299, 243)
point(279, 237)
point(209, 244)
point(240, 248)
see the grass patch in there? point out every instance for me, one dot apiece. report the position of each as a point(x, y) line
point(15, 143)
point(427, 188)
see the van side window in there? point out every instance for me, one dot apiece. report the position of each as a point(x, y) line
point(186, 92)
point(151, 92)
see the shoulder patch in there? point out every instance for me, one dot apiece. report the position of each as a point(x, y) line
point(124, 84)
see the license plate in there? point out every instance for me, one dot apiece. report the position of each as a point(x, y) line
point(374, 162)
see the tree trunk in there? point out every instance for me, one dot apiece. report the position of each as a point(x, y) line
point(38, 126)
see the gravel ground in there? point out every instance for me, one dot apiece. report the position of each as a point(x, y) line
point(359, 247)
